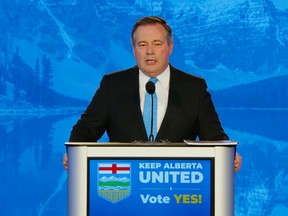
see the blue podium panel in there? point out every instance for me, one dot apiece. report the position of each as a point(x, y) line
point(150, 186)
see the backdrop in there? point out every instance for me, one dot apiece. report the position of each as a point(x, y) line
point(53, 54)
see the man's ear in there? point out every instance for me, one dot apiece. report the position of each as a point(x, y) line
point(133, 51)
point(171, 48)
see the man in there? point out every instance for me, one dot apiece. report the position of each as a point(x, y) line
point(185, 107)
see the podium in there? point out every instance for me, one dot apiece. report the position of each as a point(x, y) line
point(155, 179)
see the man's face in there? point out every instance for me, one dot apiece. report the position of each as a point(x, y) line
point(151, 49)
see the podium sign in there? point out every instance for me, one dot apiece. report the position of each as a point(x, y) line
point(140, 179)
point(140, 186)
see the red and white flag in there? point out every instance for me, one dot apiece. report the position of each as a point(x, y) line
point(113, 168)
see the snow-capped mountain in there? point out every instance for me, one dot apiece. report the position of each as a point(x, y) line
point(113, 178)
point(227, 42)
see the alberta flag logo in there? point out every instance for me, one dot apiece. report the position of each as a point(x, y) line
point(114, 181)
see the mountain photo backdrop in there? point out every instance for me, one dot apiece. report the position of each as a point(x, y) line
point(54, 53)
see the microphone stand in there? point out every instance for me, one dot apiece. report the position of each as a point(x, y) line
point(150, 88)
point(151, 137)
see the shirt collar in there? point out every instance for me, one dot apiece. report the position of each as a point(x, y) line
point(163, 78)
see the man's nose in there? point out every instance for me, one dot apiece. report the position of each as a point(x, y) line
point(149, 50)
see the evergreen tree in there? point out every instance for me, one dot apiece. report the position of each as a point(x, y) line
point(36, 89)
point(15, 69)
point(36, 77)
point(47, 73)
point(46, 82)
point(3, 88)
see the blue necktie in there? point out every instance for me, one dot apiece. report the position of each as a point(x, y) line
point(147, 112)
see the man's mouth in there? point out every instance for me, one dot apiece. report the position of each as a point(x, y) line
point(150, 61)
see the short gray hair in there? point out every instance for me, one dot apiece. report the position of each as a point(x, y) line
point(153, 20)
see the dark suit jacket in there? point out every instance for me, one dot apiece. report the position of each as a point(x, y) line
point(115, 108)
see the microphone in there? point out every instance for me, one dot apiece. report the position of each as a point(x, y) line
point(150, 88)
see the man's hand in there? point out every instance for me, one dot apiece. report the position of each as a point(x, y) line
point(65, 161)
point(237, 162)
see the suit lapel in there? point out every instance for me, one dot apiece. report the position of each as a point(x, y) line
point(134, 115)
point(174, 99)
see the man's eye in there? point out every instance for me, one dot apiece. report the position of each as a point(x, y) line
point(141, 45)
point(158, 44)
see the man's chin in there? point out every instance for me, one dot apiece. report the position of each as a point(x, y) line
point(151, 71)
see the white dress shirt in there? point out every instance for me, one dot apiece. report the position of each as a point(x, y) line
point(161, 89)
